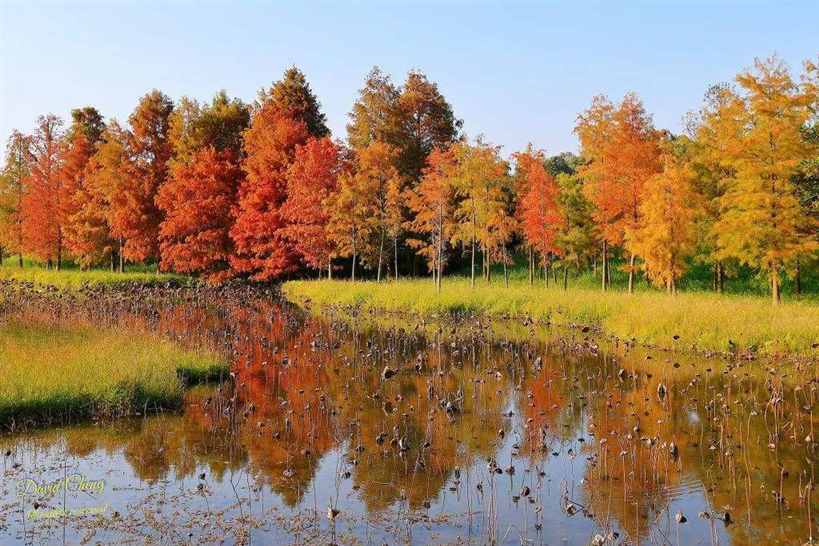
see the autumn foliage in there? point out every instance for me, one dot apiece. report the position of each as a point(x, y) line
point(230, 189)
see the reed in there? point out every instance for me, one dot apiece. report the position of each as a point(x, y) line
point(701, 321)
point(58, 374)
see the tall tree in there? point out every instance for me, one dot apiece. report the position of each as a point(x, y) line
point(311, 179)
point(150, 147)
point(104, 222)
point(578, 237)
point(483, 213)
point(666, 237)
point(350, 224)
point(293, 96)
point(427, 123)
point(269, 146)
point(538, 210)
point(42, 230)
point(200, 194)
point(79, 146)
point(762, 220)
point(375, 115)
point(621, 149)
point(219, 124)
point(432, 204)
point(198, 200)
point(12, 189)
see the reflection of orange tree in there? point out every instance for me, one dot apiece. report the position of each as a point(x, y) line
point(633, 470)
point(281, 382)
point(409, 411)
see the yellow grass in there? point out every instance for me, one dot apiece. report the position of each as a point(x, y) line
point(704, 321)
point(55, 373)
point(74, 278)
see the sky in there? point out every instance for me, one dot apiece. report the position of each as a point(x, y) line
point(514, 72)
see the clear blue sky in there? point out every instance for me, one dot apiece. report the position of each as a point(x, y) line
point(513, 73)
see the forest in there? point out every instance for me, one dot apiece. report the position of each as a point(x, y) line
point(263, 191)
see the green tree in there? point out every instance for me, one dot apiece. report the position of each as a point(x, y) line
point(292, 95)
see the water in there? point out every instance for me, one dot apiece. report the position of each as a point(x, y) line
point(366, 430)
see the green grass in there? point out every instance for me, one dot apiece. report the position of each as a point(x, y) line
point(58, 373)
point(72, 278)
point(703, 321)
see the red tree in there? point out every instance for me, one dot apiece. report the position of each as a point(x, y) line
point(311, 179)
point(270, 144)
point(198, 199)
point(538, 209)
point(42, 231)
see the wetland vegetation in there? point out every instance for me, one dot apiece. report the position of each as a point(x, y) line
point(350, 428)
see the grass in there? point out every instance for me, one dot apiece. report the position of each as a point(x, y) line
point(72, 278)
point(63, 373)
point(703, 321)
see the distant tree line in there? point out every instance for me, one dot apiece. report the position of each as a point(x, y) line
point(226, 189)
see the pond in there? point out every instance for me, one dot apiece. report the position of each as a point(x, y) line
point(344, 429)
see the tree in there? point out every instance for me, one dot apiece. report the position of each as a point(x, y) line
point(112, 179)
point(621, 149)
point(483, 213)
point(292, 95)
point(200, 194)
point(269, 146)
point(12, 190)
point(311, 179)
point(375, 115)
point(197, 201)
point(381, 183)
point(351, 213)
point(432, 204)
point(42, 230)
point(219, 124)
point(540, 217)
point(712, 131)
point(150, 149)
point(666, 237)
point(762, 220)
point(427, 122)
point(79, 146)
point(578, 237)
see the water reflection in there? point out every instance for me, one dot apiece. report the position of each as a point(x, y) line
point(335, 431)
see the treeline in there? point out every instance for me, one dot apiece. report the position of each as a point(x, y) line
point(226, 189)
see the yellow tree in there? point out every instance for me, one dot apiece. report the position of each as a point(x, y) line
point(483, 187)
point(667, 235)
point(432, 204)
point(622, 152)
point(762, 221)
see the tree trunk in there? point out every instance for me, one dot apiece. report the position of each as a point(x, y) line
point(355, 257)
point(776, 296)
point(605, 275)
point(798, 278)
point(631, 274)
point(720, 277)
point(565, 278)
point(505, 274)
point(472, 279)
point(395, 255)
point(59, 251)
point(545, 273)
point(380, 255)
point(531, 267)
point(20, 259)
point(121, 258)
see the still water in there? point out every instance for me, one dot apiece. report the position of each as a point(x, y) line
point(367, 430)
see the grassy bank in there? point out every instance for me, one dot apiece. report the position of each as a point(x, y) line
point(701, 320)
point(57, 374)
point(72, 277)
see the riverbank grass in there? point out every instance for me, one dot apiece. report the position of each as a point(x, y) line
point(71, 278)
point(701, 321)
point(57, 374)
